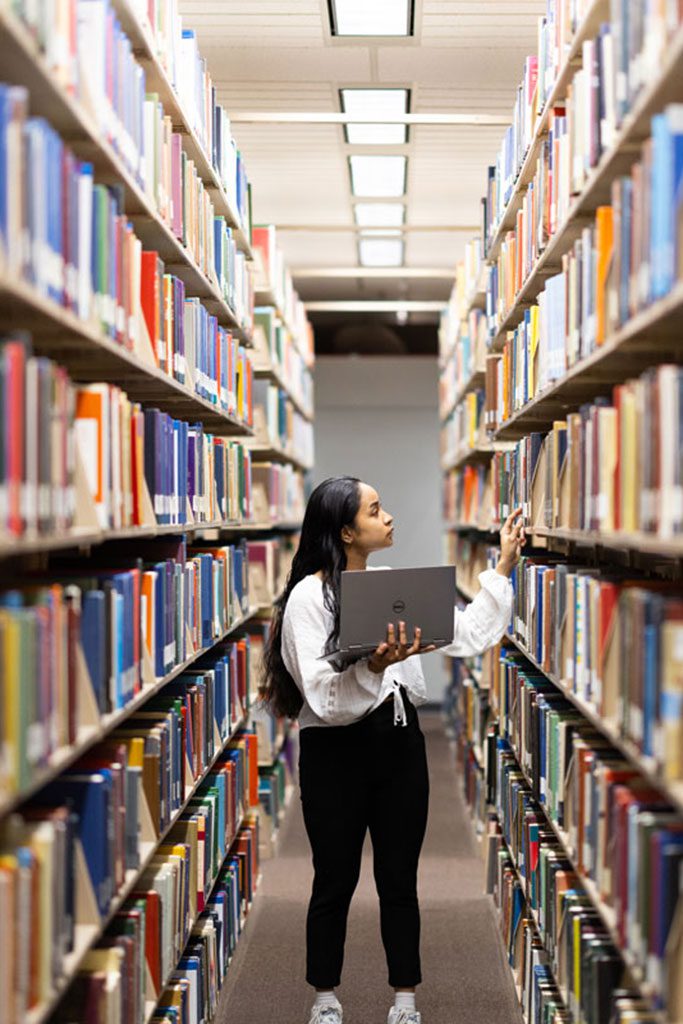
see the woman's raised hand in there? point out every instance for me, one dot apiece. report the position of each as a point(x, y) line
point(512, 540)
point(392, 651)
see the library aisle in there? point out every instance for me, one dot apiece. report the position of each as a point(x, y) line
point(466, 978)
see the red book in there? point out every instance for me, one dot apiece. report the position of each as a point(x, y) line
point(152, 934)
point(150, 296)
point(252, 745)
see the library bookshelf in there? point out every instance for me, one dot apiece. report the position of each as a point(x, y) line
point(518, 459)
point(165, 700)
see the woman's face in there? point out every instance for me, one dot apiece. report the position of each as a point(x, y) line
point(372, 528)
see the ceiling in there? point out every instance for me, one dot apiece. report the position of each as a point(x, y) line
point(278, 56)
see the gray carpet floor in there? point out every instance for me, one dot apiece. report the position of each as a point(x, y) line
point(466, 977)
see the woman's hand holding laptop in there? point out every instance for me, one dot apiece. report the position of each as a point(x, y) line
point(390, 652)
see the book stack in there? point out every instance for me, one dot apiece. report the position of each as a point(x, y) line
point(129, 787)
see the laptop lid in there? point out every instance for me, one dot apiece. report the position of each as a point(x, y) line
point(370, 600)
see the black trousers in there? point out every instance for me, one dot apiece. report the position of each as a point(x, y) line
point(368, 775)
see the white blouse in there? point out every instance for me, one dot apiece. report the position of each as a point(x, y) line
point(340, 698)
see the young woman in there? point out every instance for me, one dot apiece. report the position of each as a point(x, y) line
point(362, 756)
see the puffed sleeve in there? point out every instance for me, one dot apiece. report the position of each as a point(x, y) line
point(337, 698)
point(482, 623)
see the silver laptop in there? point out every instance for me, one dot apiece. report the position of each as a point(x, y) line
point(370, 600)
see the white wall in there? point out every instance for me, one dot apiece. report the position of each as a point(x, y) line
point(377, 418)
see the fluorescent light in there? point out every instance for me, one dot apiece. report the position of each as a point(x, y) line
point(378, 176)
point(376, 134)
point(381, 233)
point(379, 215)
point(371, 17)
point(379, 103)
point(380, 252)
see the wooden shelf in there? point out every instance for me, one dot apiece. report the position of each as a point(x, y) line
point(283, 525)
point(596, 190)
point(589, 27)
point(24, 64)
point(90, 355)
point(481, 453)
point(462, 527)
point(157, 81)
point(274, 373)
point(88, 736)
point(83, 538)
point(648, 337)
point(271, 453)
point(88, 935)
point(617, 540)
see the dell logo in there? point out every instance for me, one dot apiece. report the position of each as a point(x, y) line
point(399, 606)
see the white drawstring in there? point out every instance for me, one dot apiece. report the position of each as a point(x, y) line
point(399, 707)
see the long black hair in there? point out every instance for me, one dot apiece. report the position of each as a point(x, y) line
point(333, 505)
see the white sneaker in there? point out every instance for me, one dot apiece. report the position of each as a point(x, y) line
point(403, 1016)
point(326, 1015)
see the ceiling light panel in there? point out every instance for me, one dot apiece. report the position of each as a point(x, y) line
point(379, 215)
point(371, 17)
point(379, 103)
point(378, 177)
point(380, 252)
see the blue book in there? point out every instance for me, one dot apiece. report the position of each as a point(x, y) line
point(93, 639)
point(206, 591)
point(90, 796)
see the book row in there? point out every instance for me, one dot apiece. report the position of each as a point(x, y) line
point(615, 65)
point(69, 236)
point(612, 465)
point(551, 778)
point(467, 495)
point(274, 286)
point(87, 455)
point(614, 643)
point(467, 358)
point(626, 260)
point(464, 429)
point(65, 858)
point(270, 561)
point(278, 424)
point(275, 348)
point(192, 993)
point(465, 295)
point(618, 833)
point(279, 493)
point(91, 57)
point(93, 638)
point(188, 343)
